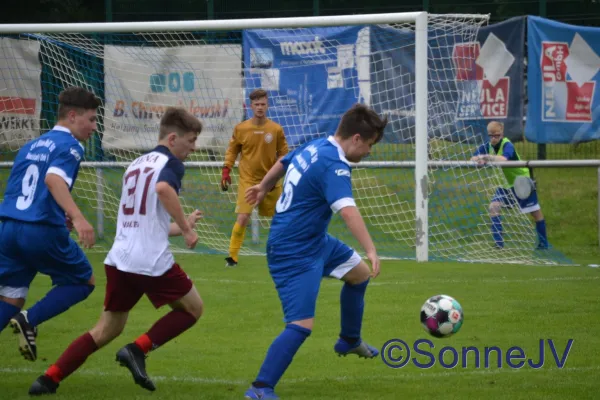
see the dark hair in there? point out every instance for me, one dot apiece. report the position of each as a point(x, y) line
point(78, 99)
point(258, 94)
point(362, 120)
point(179, 120)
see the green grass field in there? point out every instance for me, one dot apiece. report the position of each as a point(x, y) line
point(504, 306)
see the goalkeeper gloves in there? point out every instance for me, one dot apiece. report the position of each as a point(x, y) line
point(225, 179)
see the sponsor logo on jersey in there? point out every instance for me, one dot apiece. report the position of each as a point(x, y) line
point(342, 172)
point(75, 154)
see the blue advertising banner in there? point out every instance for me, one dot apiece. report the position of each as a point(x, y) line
point(312, 76)
point(562, 75)
point(470, 82)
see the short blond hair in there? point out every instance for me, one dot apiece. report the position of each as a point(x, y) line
point(495, 126)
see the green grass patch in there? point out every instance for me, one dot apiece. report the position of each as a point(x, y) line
point(504, 305)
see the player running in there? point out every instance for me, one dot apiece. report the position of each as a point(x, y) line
point(140, 261)
point(299, 250)
point(37, 213)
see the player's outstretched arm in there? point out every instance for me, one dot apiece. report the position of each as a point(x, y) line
point(484, 158)
point(175, 230)
point(59, 190)
point(276, 172)
point(170, 201)
point(256, 193)
point(357, 227)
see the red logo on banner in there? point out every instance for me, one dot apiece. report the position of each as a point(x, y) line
point(579, 101)
point(17, 105)
point(563, 100)
point(479, 97)
point(464, 56)
point(554, 68)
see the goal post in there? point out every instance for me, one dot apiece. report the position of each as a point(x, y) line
point(400, 64)
point(421, 140)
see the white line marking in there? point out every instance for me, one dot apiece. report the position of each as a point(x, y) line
point(428, 281)
point(396, 377)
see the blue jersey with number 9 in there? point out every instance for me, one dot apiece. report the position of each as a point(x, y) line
point(27, 198)
point(317, 184)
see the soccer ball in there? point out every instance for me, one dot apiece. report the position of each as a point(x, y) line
point(441, 316)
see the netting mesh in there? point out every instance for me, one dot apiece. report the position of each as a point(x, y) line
point(211, 73)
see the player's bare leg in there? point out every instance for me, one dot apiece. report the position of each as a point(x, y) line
point(190, 303)
point(108, 328)
point(186, 311)
point(18, 302)
point(237, 238)
point(352, 308)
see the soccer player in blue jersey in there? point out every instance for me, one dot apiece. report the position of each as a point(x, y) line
point(140, 261)
point(35, 212)
point(300, 252)
point(500, 148)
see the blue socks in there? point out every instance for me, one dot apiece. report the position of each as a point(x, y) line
point(497, 230)
point(286, 345)
point(58, 300)
point(540, 227)
point(352, 302)
point(7, 311)
point(280, 355)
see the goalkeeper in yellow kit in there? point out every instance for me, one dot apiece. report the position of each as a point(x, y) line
point(261, 142)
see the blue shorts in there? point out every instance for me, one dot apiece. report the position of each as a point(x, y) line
point(509, 199)
point(298, 281)
point(27, 248)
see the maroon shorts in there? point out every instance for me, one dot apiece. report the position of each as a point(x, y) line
point(125, 289)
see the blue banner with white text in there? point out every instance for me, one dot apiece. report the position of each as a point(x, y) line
point(562, 74)
point(470, 83)
point(311, 75)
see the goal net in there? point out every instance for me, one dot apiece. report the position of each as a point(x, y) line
point(314, 69)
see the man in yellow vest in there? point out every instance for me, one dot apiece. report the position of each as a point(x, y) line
point(500, 148)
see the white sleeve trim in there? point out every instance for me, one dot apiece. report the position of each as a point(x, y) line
point(61, 173)
point(341, 203)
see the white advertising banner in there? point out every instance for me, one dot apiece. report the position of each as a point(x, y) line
point(20, 92)
point(140, 82)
